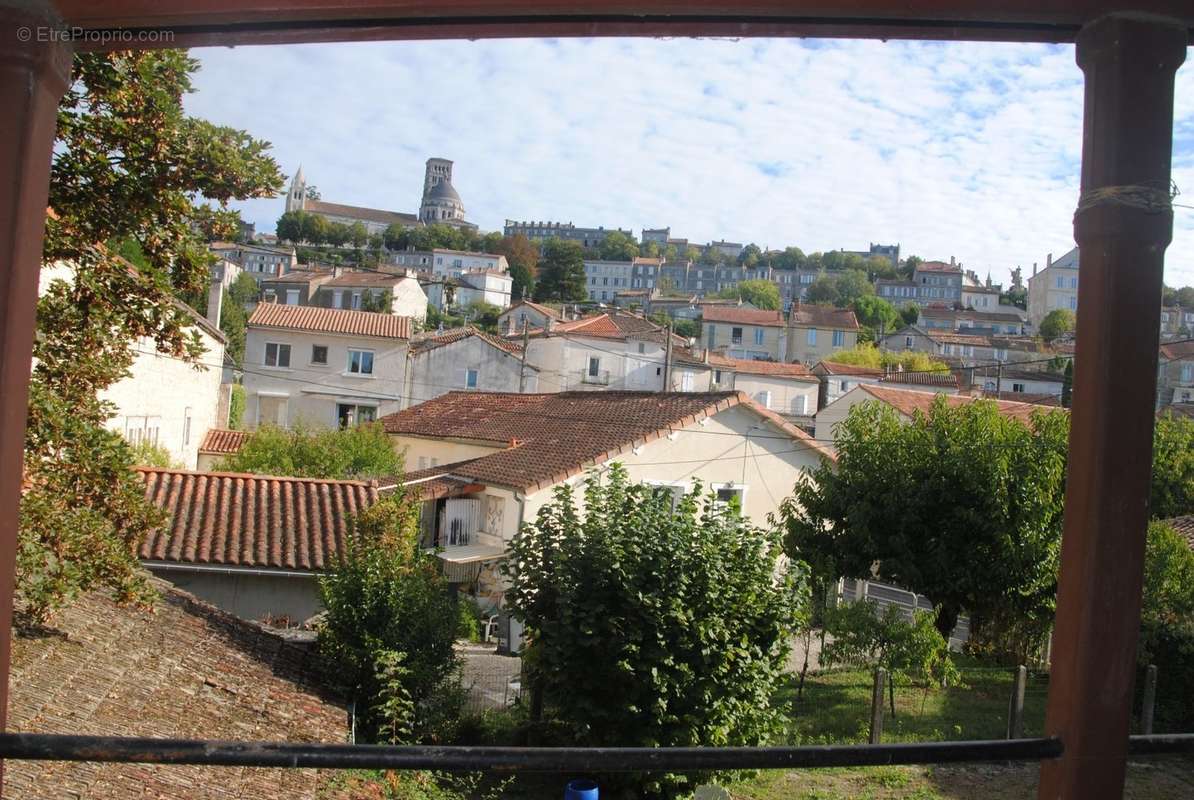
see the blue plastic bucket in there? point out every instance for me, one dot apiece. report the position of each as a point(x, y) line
point(581, 789)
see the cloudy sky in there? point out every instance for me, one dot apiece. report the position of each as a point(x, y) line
point(969, 150)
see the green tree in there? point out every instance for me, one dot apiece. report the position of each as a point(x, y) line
point(617, 246)
point(879, 267)
point(233, 323)
point(361, 451)
point(244, 289)
point(688, 328)
point(382, 302)
point(1185, 297)
point(522, 282)
point(1057, 323)
point(236, 406)
point(358, 235)
point(1168, 576)
point(822, 291)
point(338, 234)
point(789, 258)
point(961, 504)
point(759, 293)
point(387, 607)
point(1172, 493)
point(909, 265)
point(867, 355)
point(750, 255)
point(649, 250)
point(394, 237)
point(624, 652)
point(128, 164)
point(561, 272)
point(289, 227)
point(876, 317)
point(314, 229)
point(910, 314)
point(483, 315)
point(863, 636)
point(1067, 384)
point(852, 285)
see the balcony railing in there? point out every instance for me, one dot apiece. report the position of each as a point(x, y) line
point(599, 378)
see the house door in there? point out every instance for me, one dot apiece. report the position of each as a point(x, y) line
point(637, 373)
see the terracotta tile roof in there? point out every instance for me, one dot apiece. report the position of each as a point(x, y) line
point(542, 309)
point(968, 313)
point(432, 483)
point(307, 276)
point(908, 402)
point(372, 279)
point(815, 316)
point(1184, 526)
point(742, 316)
point(330, 320)
point(550, 437)
point(745, 366)
point(430, 341)
point(938, 266)
point(218, 441)
point(184, 670)
point(1177, 409)
point(607, 325)
point(1178, 351)
point(837, 368)
point(1025, 397)
point(241, 520)
point(919, 378)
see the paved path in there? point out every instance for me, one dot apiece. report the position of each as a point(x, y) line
point(487, 676)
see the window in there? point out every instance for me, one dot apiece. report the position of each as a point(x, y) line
point(845, 386)
point(717, 376)
point(729, 497)
point(470, 379)
point(670, 493)
point(907, 342)
point(839, 338)
point(594, 366)
point(735, 336)
point(349, 414)
point(360, 362)
point(1017, 387)
point(319, 354)
point(1073, 304)
point(186, 427)
point(812, 337)
point(277, 355)
point(292, 297)
point(948, 350)
point(1187, 373)
point(1001, 355)
point(1060, 283)
point(1073, 283)
point(642, 348)
point(356, 300)
point(759, 335)
point(686, 382)
point(800, 404)
point(763, 398)
point(271, 410)
point(337, 299)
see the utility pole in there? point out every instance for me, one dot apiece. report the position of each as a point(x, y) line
point(522, 368)
point(667, 358)
point(999, 380)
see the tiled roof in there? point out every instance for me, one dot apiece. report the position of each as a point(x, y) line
point(746, 366)
point(1178, 351)
point(1177, 410)
point(355, 278)
point(330, 320)
point(970, 313)
point(357, 212)
point(838, 368)
point(547, 311)
point(550, 437)
point(429, 341)
point(809, 315)
point(921, 378)
point(218, 441)
point(1184, 526)
point(240, 520)
point(742, 316)
point(184, 670)
point(307, 276)
point(908, 402)
point(432, 483)
point(938, 266)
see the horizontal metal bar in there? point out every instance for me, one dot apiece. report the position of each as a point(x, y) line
point(1161, 743)
point(60, 747)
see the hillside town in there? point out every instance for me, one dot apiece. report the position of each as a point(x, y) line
point(386, 477)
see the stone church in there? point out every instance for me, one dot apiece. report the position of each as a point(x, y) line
point(441, 203)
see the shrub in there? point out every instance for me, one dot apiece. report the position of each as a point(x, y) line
point(151, 454)
point(651, 626)
point(391, 620)
point(362, 451)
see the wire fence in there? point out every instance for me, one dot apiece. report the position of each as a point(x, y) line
point(490, 681)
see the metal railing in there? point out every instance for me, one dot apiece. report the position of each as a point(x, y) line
point(601, 378)
point(207, 752)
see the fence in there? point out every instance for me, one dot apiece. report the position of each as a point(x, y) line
point(490, 681)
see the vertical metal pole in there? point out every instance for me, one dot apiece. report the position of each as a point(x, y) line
point(1122, 226)
point(1150, 700)
point(522, 367)
point(1015, 712)
point(667, 358)
point(877, 706)
point(33, 76)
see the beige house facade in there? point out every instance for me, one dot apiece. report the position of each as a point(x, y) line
point(1054, 287)
point(816, 331)
point(745, 332)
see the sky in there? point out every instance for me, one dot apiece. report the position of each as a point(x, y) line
point(949, 149)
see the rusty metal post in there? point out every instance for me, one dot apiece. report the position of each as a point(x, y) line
point(1122, 226)
point(1015, 712)
point(1148, 707)
point(33, 76)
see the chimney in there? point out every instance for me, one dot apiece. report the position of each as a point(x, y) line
point(706, 358)
point(215, 300)
point(1048, 261)
point(1034, 269)
point(952, 262)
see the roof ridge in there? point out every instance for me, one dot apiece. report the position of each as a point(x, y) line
point(254, 475)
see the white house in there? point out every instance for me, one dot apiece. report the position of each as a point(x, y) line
point(484, 286)
point(323, 366)
point(788, 389)
point(528, 314)
point(612, 350)
point(490, 462)
point(907, 403)
point(451, 263)
point(1056, 286)
point(166, 400)
point(465, 359)
point(259, 260)
point(838, 378)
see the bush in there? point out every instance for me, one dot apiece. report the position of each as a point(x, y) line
point(389, 630)
point(236, 407)
point(151, 454)
point(468, 620)
point(362, 451)
point(650, 626)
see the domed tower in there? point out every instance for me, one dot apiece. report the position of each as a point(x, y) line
point(441, 203)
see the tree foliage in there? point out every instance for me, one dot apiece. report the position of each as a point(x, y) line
point(867, 355)
point(910, 313)
point(759, 293)
point(129, 166)
point(389, 628)
point(876, 317)
point(1172, 492)
point(909, 649)
point(822, 291)
point(561, 272)
point(617, 246)
point(360, 451)
point(852, 285)
point(962, 505)
point(1057, 323)
point(653, 627)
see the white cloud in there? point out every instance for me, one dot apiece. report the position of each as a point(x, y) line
point(969, 150)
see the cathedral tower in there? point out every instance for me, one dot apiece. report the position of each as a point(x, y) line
point(297, 195)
